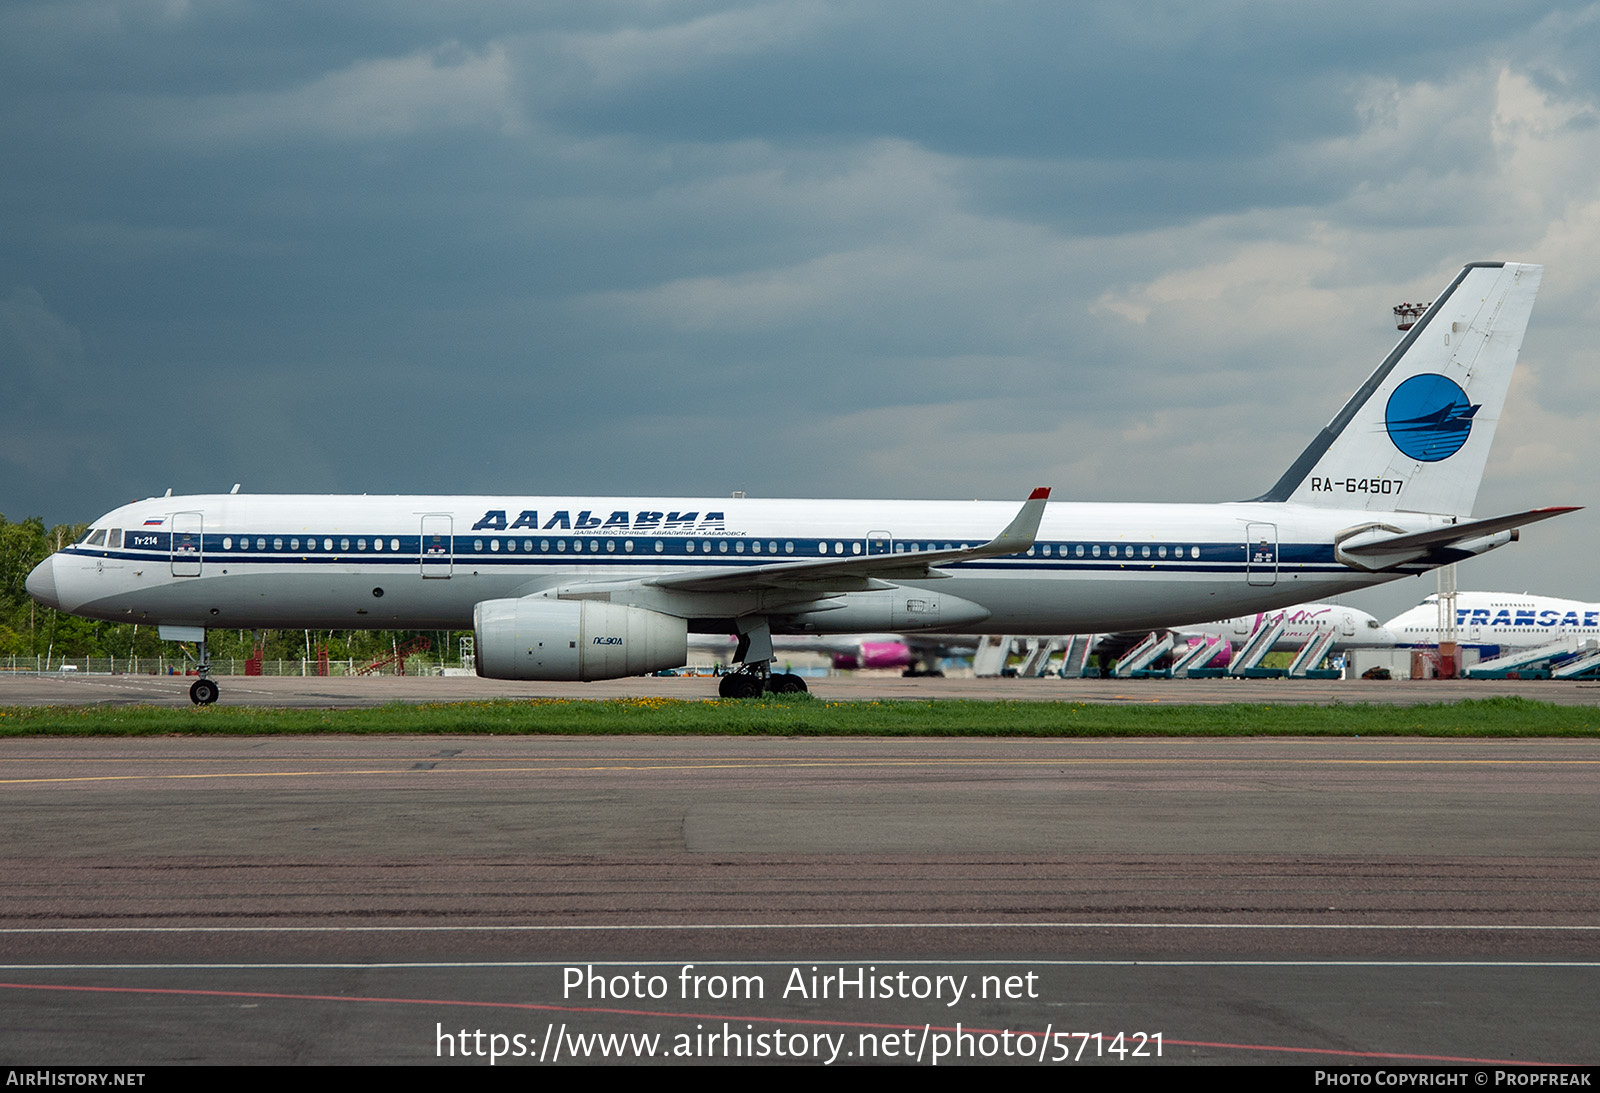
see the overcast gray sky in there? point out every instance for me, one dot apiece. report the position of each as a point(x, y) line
point(799, 248)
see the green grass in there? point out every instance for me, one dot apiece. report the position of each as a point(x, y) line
point(804, 715)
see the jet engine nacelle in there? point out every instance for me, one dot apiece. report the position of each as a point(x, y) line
point(574, 640)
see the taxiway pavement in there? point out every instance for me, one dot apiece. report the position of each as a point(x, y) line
point(338, 899)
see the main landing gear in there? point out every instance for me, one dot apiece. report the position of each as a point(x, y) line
point(757, 676)
point(750, 682)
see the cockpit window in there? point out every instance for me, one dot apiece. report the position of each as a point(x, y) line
point(96, 538)
point(115, 540)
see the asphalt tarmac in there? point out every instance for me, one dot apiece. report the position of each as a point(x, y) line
point(73, 688)
point(1331, 902)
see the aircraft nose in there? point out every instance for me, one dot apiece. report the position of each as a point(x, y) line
point(41, 582)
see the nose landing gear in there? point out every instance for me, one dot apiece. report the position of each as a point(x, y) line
point(205, 690)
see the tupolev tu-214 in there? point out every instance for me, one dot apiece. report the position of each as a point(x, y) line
point(584, 588)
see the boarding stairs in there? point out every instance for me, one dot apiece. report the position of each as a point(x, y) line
point(1584, 665)
point(1198, 656)
point(1146, 653)
point(1037, 656)
point(1075, 656)
point(1256, 647)
point(1527, 663)
point(990, 659)
point(1312, 653)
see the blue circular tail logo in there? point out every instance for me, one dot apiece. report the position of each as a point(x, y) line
point(1429, 417)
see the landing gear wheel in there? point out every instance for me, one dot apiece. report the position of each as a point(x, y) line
point(739, 685)
point(204, 692)
point(787, 683)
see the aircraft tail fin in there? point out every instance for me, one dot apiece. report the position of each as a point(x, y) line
point(1416, 436)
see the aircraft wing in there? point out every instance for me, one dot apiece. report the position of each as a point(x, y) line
point(860, 572)
point(1379, 546)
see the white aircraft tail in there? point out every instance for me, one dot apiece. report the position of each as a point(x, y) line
point(1416, 436)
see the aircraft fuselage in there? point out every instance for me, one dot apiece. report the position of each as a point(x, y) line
point(241, 561)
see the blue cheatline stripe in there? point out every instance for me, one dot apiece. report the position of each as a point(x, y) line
point(1304, 558)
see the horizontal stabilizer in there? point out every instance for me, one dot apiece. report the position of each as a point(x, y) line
point(1378, 546)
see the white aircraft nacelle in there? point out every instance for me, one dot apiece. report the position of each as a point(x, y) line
point(574, 640)
point(892, 609)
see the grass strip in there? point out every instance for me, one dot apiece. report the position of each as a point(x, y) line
point(804, 715)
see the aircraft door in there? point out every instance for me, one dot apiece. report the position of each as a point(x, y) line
point(187, 538)
point(1261, 554)
point(879, 542)
point(436, 547)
